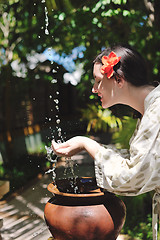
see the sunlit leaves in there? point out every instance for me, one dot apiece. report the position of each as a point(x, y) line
point(155, 70)
point(61, 16)
point(86, 9)
point(102, 3)
point(110, 13)
point(73, 24)
point(10, 2)
point(95, 20)
point(91, 23)
point(119, 1)
point(100, 119)
point(126, 13)
point(122, 137)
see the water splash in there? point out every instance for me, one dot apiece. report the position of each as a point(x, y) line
point(58, 131)
point(46, 21)
point(50, 155)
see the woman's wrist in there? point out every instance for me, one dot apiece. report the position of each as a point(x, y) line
point(90, 146)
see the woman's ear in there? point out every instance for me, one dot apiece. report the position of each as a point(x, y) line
point(120, 81)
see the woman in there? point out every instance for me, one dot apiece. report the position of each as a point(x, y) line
point(121, 78)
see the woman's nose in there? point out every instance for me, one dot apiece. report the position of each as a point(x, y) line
point(94, 89)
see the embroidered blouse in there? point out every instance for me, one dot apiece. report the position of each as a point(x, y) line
point(140, 172)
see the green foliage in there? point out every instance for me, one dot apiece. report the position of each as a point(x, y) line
point(121, 138)
point(100, 119)
point(37, 149)
point(143, 230)
point(138, 224)
point(2, 170)
point(73, 23)
point(93, 24)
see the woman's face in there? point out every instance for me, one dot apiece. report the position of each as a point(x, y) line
point(106, 88)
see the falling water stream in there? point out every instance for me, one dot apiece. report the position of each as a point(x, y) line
point(58, 131)
point(50, 154)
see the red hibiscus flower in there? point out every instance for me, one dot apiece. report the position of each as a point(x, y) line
point(108, 64)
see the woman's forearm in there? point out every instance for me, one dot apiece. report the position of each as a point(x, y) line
point(91, 146)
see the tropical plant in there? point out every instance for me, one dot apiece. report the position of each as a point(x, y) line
point(121, 138)
point(100, 119)
point(28, 27)
point(143, 230)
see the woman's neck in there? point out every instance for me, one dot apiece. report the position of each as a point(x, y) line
point(136, 95)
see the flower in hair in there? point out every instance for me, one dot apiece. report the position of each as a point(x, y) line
point(108, 63)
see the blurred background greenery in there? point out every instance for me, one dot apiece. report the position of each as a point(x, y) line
point(46, 52)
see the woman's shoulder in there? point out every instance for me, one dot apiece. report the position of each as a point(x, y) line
point(152, 101)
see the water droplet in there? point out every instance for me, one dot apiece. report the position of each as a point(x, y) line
point(50, 96)
point(56, 101)
point(49, 119)
point(47, 22)
point(57, 93)
point(54, 81)
point(58, 121)
point(46, 31)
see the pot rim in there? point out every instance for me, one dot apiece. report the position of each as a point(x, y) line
point(94, 193)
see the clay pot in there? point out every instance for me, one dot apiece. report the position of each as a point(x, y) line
point(87, 214)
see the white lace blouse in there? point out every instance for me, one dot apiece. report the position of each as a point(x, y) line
point(140, 172)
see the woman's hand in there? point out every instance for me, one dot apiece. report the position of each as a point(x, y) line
point(74, 146)
point(68, 148)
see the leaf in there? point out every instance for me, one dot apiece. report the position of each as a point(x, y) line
point(100, 119)
point(122, 137)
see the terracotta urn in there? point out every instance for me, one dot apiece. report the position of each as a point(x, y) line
point(79, 210)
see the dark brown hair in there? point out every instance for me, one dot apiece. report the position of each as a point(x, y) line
point(131, 67)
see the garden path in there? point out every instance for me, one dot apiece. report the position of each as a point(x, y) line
point(23, 212)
